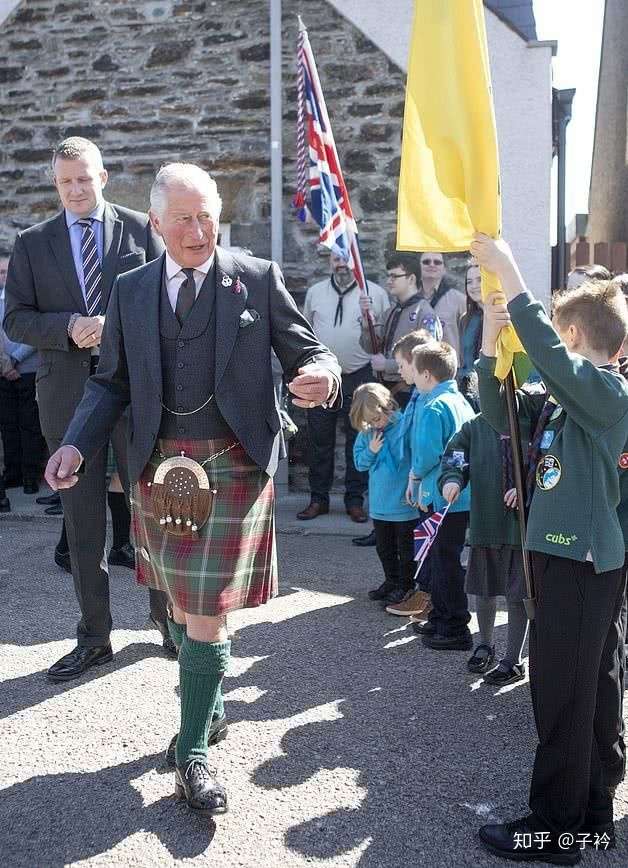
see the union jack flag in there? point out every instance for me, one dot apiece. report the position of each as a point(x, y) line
point(424, 536)
point(321, 189)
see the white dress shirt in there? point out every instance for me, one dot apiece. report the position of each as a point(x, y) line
point(175, 277)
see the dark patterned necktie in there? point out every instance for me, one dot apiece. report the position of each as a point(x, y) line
point(92, 273)
point(186, 296)
point(534, 452)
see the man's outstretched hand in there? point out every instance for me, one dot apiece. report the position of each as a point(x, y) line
point(61, 468)
point(312, 387)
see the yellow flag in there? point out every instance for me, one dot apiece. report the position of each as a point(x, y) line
point(449, 182)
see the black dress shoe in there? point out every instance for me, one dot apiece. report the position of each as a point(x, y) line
point(55, 509)
point(31, 486)
point(49, 499)
point(218, 730)
point(5, 504)
point(519, 842)
point(482, 658)
point(62, 559)
point(196, 783)
point(78, 661)
point(380, 593)
point(123, 556)
point(424, 629)
point(448, 643)
point(368, 540)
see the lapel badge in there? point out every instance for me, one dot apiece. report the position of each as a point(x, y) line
point(226, 280)
point(237, 288)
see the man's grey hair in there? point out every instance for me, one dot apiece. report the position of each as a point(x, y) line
point(185, 175)
point(76, 148)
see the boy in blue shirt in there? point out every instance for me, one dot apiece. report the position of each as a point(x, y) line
point(417, 602)
point(443, 413)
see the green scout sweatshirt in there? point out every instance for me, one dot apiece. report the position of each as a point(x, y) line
point(475, 454)
point(573, 513)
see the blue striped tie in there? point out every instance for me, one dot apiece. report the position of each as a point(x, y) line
point(92, 274)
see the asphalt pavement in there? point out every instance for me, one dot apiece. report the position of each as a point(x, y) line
point(350, 743)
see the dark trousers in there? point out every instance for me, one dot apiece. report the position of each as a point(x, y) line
point(22, 439)
point(394, 541)
point(574, 673)
point(85, 513)
point(450, 607)
point(322, 443)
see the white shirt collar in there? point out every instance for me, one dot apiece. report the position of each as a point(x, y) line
point(97, 214)
point(173, 268)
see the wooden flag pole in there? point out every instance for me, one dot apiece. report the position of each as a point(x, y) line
point(517, 456)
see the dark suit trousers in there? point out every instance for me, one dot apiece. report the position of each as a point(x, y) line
point(574, 680)
point(19, 426)
point(321, 425)
point(85, 513)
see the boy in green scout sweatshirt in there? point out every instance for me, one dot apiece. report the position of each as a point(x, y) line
point(576, 544)
point(479, 456)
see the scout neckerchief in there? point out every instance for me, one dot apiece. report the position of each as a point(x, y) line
point(395, 316)
point(341, 297)
point(443, 289)
point(534, 452)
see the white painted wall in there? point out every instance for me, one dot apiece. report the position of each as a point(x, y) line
point(6, 7)
point(521, 74)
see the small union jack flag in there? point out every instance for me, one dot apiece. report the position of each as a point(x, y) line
point(321, 189)
point(424, 536)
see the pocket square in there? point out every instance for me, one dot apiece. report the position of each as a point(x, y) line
point(248, 317)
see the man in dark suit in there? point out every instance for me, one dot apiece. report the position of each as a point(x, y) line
point(58, 285)
point(187, 344)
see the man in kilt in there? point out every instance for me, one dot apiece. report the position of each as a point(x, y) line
point(187, 344)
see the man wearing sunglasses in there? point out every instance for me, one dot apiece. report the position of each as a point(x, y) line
point(409, 311)
point(448, 303)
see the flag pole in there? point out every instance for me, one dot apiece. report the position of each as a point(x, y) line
point(517, 456)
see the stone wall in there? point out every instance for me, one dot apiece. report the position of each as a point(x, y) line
point(185, 79)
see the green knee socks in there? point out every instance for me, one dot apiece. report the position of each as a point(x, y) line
point(201, 666)
point(177, 633)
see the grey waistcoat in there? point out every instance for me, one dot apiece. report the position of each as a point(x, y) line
point(188, 357)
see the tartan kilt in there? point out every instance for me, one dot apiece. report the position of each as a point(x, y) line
point(231, 563)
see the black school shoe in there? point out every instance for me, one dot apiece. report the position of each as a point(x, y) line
point(218, 731)
point(363, 541)
point(520, 842)
point(423, 629)
point(482, 659)
point(394, 596)
point(448, 643)
point(380, 593)
point(5, 503)
point(506, 673)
